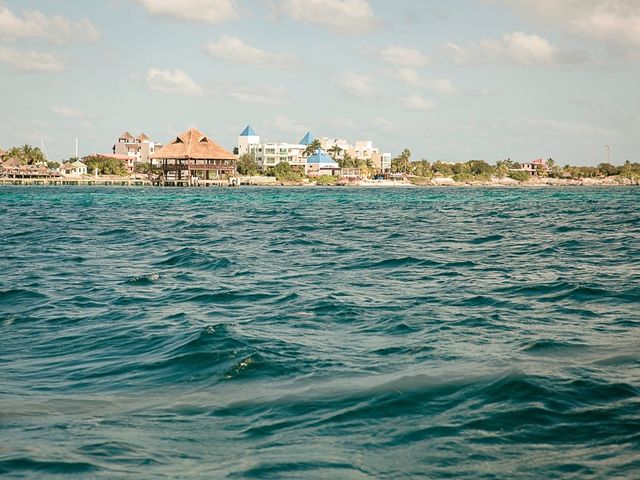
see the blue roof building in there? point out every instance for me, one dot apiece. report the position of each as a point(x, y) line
point(248, 132)
point(307, 139)
point(321, 164)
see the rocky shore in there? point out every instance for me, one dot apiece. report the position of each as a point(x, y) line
point(533, 182)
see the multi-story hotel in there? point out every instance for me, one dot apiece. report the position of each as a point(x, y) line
point(272, 153)
point(362, 150)
point(139, 148)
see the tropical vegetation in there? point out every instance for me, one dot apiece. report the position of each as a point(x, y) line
point(27, 154)
point(284, 173)
point(105, 166)
point(312, 147)
point(247, 165)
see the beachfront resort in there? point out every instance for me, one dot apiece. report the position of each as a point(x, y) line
point(193, 159)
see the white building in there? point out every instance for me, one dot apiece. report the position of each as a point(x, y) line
point(138, 148)
point(362, 150)
point(247, 138)
point(73, 169)
point(270, 154)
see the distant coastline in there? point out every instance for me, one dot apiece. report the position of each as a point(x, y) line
point(127, 181)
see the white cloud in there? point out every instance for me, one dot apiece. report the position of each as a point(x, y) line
point(416, 102)
point(34, 24)
point(403, 57)
point(516, 47)
point(341, 16)
point(233, 49)
point(30, 61)
point(207, 11)
point(413, 78)
point(358, 85)
point(615, 23)
point(172, 81)
point(179, 82)
point(67, 111)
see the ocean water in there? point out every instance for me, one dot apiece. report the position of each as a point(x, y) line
point(319, 333)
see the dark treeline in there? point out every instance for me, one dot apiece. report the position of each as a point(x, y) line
point(481, 170)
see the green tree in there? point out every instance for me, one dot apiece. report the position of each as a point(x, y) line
point(326, 180)
point(609, 170)
point(347, 161)
point(503, 167)
point(442, 168)
point(312, 147)
point(146, 168)
point(422, 168)
point(519, 175)
point(247, 165)
point(284, 172)
point(480, 168)
point(556, 172)
point(28, 155)
point(105, 166)
point(335, 152)
point(402, 163)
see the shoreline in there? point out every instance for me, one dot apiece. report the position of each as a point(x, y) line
point(442, 182)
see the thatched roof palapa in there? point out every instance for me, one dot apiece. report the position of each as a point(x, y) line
point(193, 145)
point(143, 137)
point(11, 163)
point(127, 136)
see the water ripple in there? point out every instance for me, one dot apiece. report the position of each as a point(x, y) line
point(316, 333)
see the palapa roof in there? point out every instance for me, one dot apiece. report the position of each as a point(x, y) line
point(142, 137)
point(71, 165)
point(127, 135)
point(13, 162)
point(193, 145)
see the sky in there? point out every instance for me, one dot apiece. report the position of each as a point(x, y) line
point(451, 80)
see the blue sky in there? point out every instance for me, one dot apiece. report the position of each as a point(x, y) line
point(450, 79)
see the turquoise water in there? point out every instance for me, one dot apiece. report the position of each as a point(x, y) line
point(319, 333)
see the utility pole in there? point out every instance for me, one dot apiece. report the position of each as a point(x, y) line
point(76, 148)
point(608, 150)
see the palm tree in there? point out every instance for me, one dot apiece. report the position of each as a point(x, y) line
point(335, 152)
point(312, 147)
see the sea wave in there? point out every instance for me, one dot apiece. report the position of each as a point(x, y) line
point(295, 333)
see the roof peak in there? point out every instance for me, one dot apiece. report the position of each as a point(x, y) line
point(307, 139)
point(248, 132)
point(193, 144)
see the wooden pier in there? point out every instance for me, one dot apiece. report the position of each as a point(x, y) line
point(61, 181)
